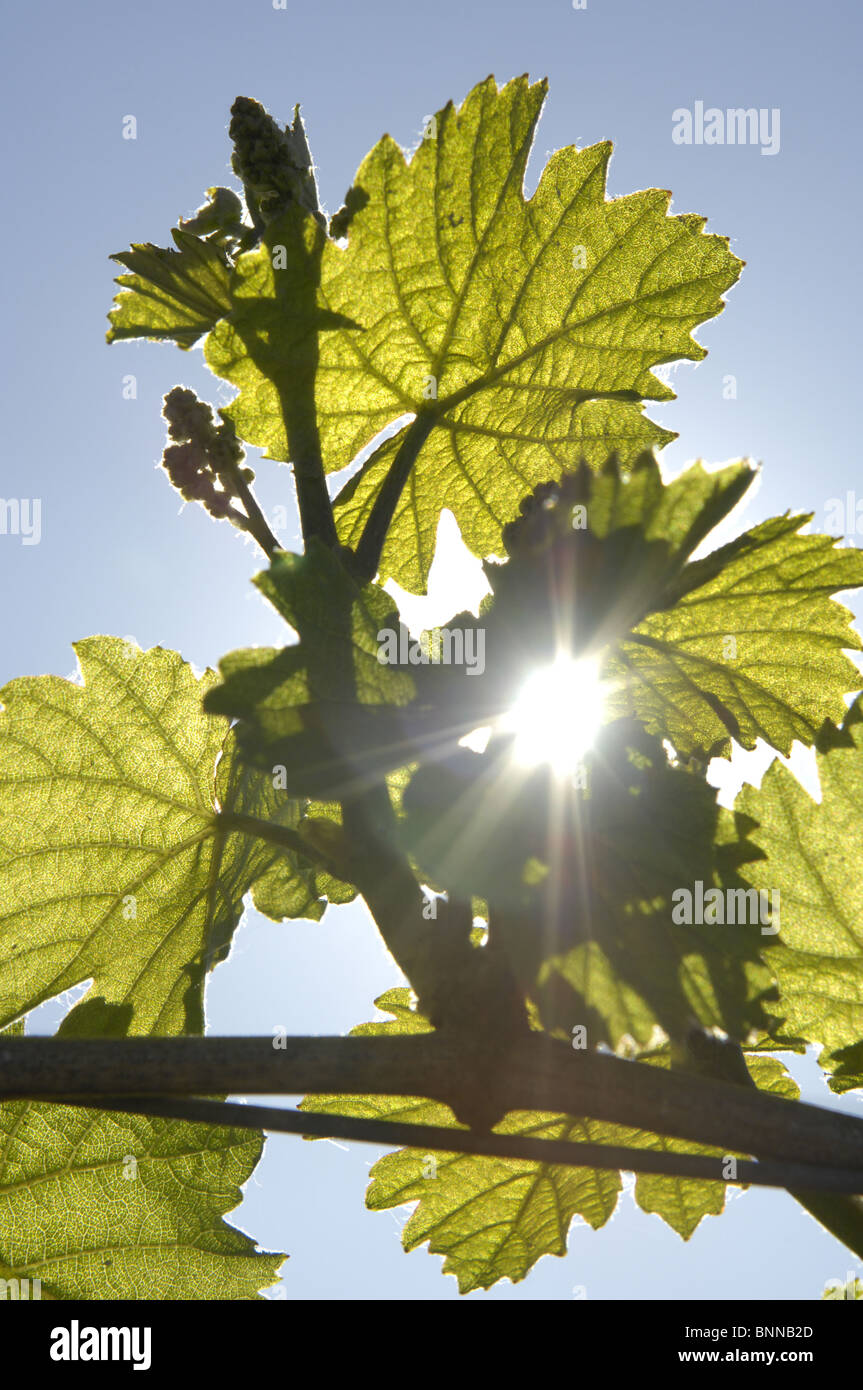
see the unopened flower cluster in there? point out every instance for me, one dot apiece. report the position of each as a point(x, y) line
point(204, 462)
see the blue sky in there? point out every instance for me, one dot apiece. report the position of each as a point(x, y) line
point(115, 555)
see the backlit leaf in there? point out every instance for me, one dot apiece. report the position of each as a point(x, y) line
point(171, 294)
point(525, 329)
point(812, 853)
point(109, 1206)
point(113, 862)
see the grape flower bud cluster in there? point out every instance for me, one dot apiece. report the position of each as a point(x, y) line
point(275, 165)
point(204, 462)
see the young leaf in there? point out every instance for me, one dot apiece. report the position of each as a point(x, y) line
point(811, 854)
point(114, 863)
point(524, 329)
point(171, 294)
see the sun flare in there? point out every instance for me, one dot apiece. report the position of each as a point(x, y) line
point(557, 715)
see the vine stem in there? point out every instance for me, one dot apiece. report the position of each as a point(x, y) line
point(533, 1073)
point(841, 1213)
point(282, 835)
point(313, 499)
point(255, 522)
point(254, 211)
point(560, 1152)
point(392, 894)
point(371, 542)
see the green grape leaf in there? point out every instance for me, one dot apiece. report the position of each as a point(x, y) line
point(468, 476)
point(114, 862)
point(745, 643)
point(492, 1218)
point(109, 1206)
point(683, 1202)
point(599, 565)
point(524, 329)
point(171, 294)
point(584, 883)
point(753, 648)
point(588, 559)
point(809, 861)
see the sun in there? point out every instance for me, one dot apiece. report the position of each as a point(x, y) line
point(557, 715)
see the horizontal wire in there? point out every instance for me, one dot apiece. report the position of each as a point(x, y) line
point(559, 1152)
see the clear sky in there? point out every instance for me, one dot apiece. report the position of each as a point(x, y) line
point(115, 555)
